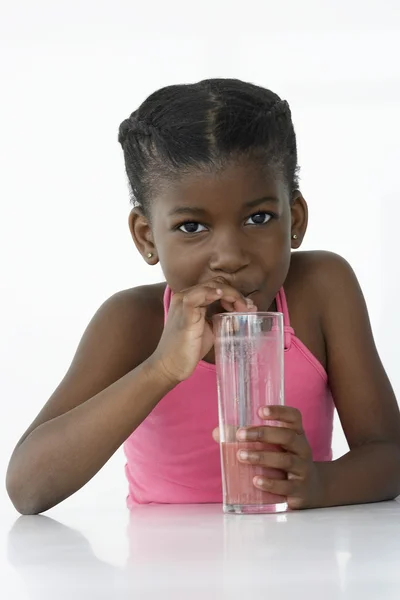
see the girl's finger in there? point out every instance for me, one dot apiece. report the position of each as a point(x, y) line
point(232, 306)
point(204, 295)
point(227, 306)
point(281, 487)
point(215, 434)
point(287, 438)
point(284, 414)
point(200, 297)
point(228, 434)
point(284, 461)
point(231, 295)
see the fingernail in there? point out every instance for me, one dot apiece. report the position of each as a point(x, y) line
point(249, 302)
point(241, 434)
point(260, 481)
point(243, 454)
point(266, 411)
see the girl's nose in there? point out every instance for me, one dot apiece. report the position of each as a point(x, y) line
point(228, 256)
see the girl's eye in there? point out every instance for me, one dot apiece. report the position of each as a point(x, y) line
point(260, 218)
point(191, 227)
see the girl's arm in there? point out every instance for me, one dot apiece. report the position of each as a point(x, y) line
point(109, 389)
point(112, 386)
point(363, 396)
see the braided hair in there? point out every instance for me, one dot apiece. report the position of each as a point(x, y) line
point(204, 126)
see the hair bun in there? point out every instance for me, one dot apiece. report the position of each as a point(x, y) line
point(280, 107)
point(123, 131)
point(134, 126)
point(144, 127)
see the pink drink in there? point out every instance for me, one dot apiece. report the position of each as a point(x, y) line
point(250, 375)
point(239, 488)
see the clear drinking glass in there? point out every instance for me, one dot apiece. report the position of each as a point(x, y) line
point(249, 360)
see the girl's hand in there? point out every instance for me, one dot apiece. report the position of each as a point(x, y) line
point(187, 335)
point(302, 488)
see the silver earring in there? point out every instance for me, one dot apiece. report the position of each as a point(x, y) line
point(149, 255)
point(294, 236)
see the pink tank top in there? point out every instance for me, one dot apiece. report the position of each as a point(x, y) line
point(172, 457)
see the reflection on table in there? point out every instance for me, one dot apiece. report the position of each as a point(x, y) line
point(195, 551)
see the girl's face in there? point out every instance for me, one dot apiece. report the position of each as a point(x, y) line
point(237, 224)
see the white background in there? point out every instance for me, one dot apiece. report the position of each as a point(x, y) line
point(72, 71)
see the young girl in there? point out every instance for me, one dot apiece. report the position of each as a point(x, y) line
point(213, 169)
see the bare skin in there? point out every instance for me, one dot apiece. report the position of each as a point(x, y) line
point(127, 361)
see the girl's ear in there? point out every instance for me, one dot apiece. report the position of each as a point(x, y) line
point(142, 235)
point(299, 219)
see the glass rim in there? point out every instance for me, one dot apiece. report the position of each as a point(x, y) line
point(247, 314)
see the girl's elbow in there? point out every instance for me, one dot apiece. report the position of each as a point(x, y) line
point(23, 500)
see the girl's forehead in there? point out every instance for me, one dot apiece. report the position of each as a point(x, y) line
point(236, 185)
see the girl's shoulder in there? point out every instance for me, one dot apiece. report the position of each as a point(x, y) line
point(141, 309)
point(313, 274)
point(122, 334)
point(312, 263)
point(319, 286)
point(143, 297)
point(128, 326)
point(323, 289)
point(328, 283)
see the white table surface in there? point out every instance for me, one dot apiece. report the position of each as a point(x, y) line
point(195, 551)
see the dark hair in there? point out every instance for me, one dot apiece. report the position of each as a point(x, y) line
point(203, 126)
